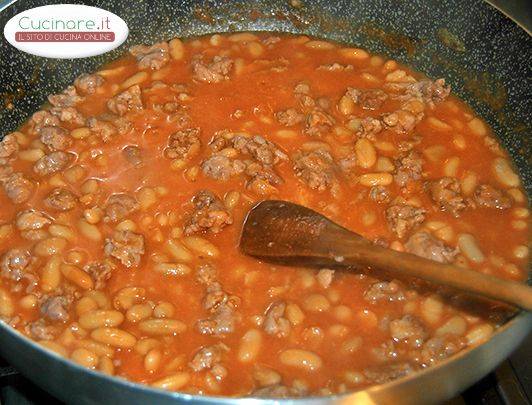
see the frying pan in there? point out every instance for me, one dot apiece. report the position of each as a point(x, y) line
point(481, 53)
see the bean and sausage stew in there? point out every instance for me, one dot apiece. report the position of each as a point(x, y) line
point(123, 198)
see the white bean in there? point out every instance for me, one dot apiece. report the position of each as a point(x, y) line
point(432, 309)
point(469, 247)
point(250, 345)
point(302, 359)
point(455, 326)
point(365, 153)
point(504, 173)
point(479, 334)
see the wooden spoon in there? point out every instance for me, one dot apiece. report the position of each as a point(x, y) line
point(290, 234)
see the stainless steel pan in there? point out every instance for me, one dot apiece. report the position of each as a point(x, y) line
point(485, 57)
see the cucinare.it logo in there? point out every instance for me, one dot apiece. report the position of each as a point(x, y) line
point(66, 31)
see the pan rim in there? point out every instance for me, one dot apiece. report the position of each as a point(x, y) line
point(521, 319)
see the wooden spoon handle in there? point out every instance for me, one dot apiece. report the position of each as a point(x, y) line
point(290, 234)
point(464, 279)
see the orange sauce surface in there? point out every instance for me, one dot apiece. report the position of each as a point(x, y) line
point(349, 332)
